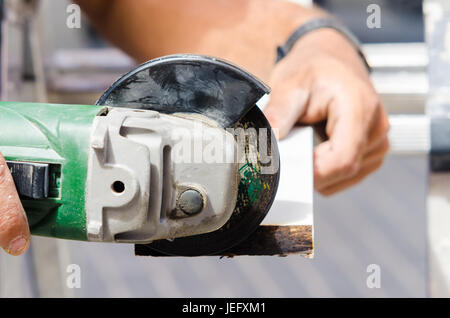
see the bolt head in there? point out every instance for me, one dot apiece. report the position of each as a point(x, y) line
point(190, 202)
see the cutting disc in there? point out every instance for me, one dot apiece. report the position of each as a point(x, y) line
point(227, 94)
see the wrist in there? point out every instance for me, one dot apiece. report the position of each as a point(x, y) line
point(329, 42)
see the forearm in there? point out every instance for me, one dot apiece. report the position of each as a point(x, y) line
point(245, 32)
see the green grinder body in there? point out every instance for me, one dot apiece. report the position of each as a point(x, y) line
point(52, 139)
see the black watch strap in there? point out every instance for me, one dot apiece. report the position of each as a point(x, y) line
point(316, 24)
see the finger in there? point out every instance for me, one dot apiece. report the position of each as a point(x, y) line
point(377, 152)
point(340, 156)
point(364, 172)
point(379, 131)
point(370, 158)
point(14, 231)
point(285, 107)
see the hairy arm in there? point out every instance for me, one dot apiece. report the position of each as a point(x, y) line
point(245, 32)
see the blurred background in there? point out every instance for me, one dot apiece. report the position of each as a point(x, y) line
point(381, 221)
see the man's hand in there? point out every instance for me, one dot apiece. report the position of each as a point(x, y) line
point(14, 231)
point(323, 78)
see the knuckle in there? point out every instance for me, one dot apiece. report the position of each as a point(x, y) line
point(349, 166)
point(317, 77)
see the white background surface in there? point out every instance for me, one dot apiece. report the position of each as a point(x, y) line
point(294, 200)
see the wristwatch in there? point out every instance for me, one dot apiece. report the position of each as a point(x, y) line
point(317, 24)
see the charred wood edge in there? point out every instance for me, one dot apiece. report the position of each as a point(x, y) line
point(267, 240)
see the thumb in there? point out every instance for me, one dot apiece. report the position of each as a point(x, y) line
point(285, 107)
point(14, 231)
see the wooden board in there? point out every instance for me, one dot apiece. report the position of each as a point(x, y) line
point(267, 240)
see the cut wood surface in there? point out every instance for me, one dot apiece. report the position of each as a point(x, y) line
point(266, 240)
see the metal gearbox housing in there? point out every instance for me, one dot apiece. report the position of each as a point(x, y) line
point(142, 165)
